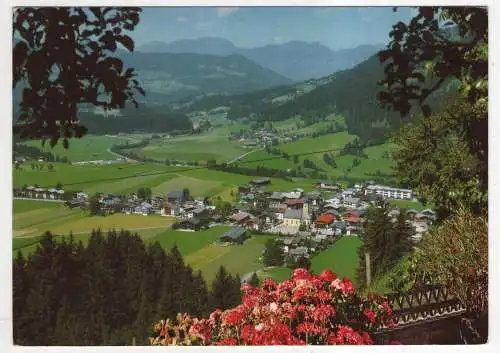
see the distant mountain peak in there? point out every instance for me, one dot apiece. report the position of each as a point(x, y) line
point(299, 60)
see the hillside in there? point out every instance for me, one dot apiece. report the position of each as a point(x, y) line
point(296, 59)
point(173, 76)
point(350, 93)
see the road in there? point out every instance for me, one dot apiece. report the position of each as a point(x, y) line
point(244, 155)
point(121, 156)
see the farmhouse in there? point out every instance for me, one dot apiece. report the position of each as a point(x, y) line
point(241, 217)
point(193, 223)
point(144, 208)
point(74, 203)
point(322, 184)
point(325, 220)
point(276, 199)
point(235, 235)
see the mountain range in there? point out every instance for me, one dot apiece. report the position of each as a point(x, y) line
point(296, 60)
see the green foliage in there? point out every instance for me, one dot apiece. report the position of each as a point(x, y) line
point(226, 291)
point(456, 254)
point(439, 44)
point(441, 159)
point(386, 242)
point(273, 254)
point(146, 119)
point(254, 280)
point(105, 294)
point(51, 37)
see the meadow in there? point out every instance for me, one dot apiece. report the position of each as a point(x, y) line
point(33, 218)
point(89, 147)
point(334, 142)
point(213, 144)
point(341, 258)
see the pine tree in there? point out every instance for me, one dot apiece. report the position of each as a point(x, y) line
point(226, 291)
point(273, 254)
point(20, 288)
point(377, 241)
point(254, 280)
point(401, 239)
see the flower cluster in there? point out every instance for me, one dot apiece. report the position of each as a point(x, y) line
point(306, 309)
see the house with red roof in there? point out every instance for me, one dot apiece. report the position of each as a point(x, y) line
point(325, 220)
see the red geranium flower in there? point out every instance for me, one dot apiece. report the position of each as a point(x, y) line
point(301, 273)
point(327, 276)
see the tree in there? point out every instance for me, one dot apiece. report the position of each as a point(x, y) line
point(254, 280)
point(439, 43)
point(273, 253)
point(442, 44)
point(402, 243)
point(295, 159)
point(377, 241)
point(223, 208)
point(456, 254)
point(63, 58)
point(303, 262)
point(435, 159)
point(94, 205)
point(148, 193)
point(50, 167)
point(59, 186)
point(225, 290)
point(186, 194)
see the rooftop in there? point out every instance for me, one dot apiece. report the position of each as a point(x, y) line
point(293, 214)
point(234, 233)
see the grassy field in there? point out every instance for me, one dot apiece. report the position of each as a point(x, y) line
point(197, 187)
point(88, 177)
point(187, 242)
point(90, 147)
point(209, 145)
point(30, 220)
point(279, 274)
point(238, 259)
point(368, 166)
point(341, 258)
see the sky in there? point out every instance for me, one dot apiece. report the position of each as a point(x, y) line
point(248, 27)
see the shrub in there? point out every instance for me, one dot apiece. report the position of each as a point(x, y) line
point(307, 309)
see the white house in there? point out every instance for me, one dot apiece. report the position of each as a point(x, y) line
point(389, 192)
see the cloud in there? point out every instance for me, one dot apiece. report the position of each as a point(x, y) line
point(182, 19)
point(226, 11)
point(279, 40)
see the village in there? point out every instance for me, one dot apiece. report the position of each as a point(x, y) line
point(306, 222)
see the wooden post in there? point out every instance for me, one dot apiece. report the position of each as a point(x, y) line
point(368, 269)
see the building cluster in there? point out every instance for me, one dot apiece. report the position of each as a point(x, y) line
point(314, 218)
point(36, 192)
point(320, 217)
